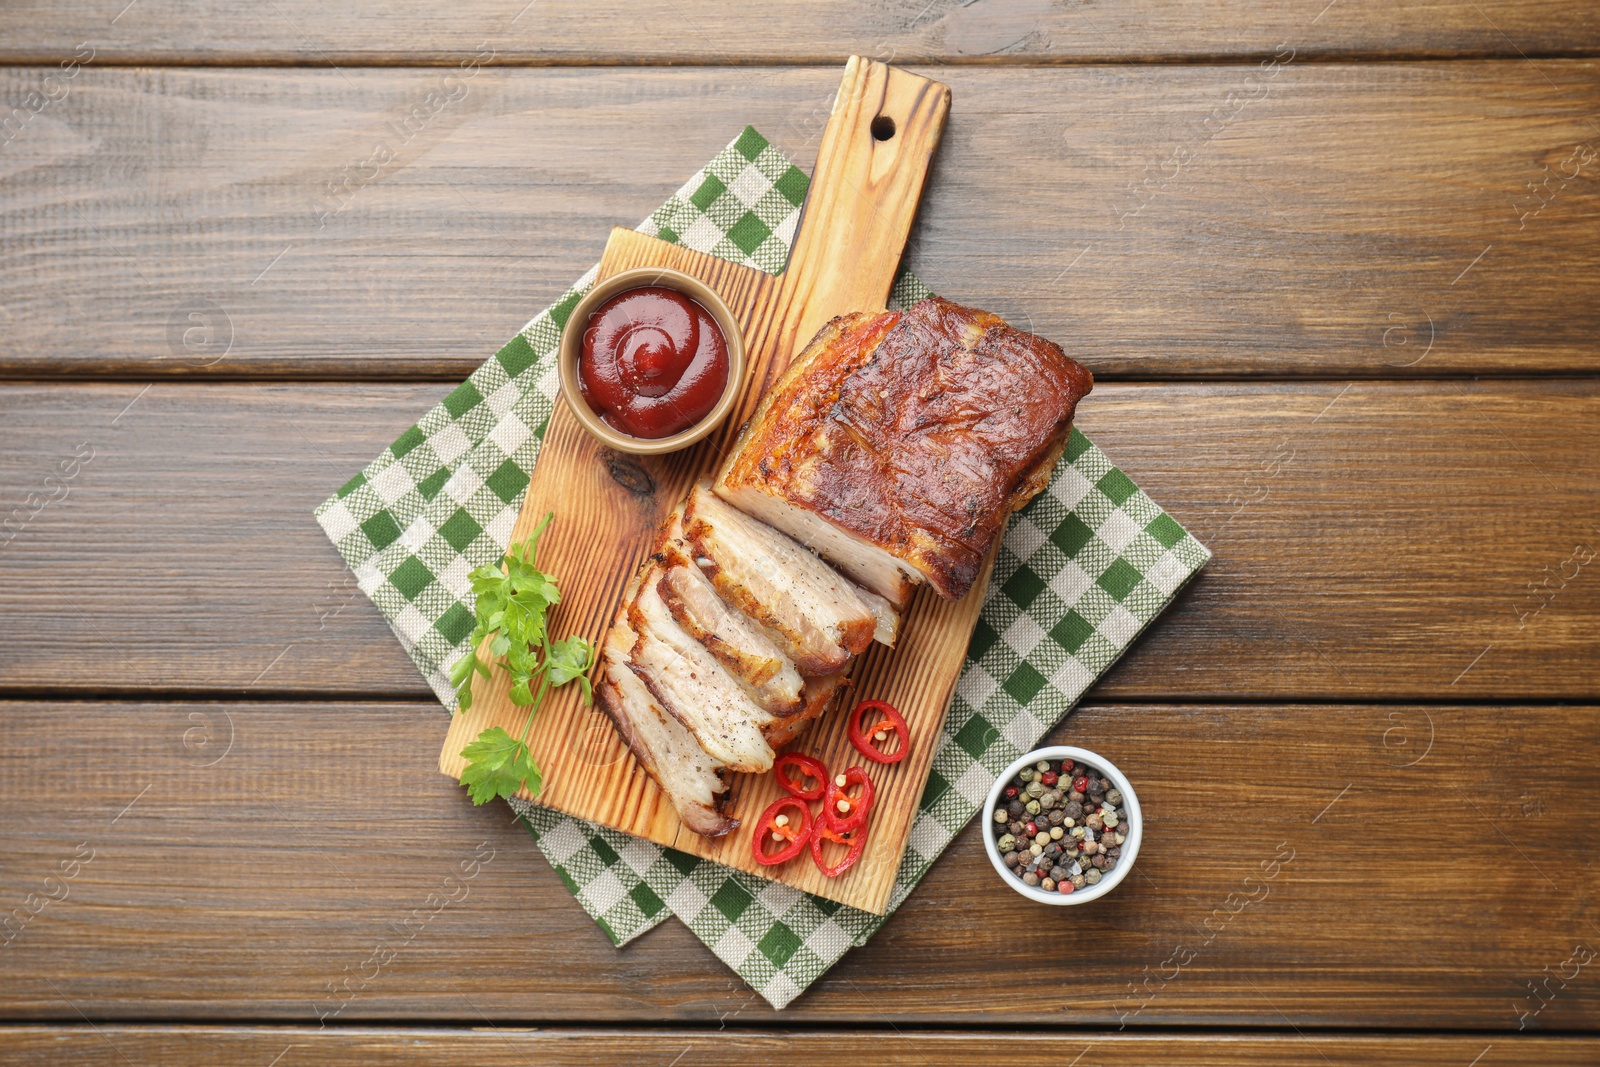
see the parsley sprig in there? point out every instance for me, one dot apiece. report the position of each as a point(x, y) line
point(512, 599)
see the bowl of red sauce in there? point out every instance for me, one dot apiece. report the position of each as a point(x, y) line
point(651, 361)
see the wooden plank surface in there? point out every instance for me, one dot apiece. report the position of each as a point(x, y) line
point(1250, 205)
point(1313, 866)
point(26, 1046)
point(819, 31)
point(1388, 220)
point(1371, 540)
point(190, 527)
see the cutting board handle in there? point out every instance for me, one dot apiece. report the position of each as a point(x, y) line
point(871, 166)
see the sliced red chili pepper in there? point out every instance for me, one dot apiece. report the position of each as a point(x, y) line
point(856, 807)
point(887, 718)
point(809, 767)
point(796, 836)
point(856, 839)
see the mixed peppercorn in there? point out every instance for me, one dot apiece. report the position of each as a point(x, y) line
point(1060, 826)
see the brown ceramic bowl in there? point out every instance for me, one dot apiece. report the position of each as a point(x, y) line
point(572, 346)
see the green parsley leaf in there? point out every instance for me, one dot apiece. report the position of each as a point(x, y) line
point(524, 667)
point(498, 765)
point(511, 601)
point(524, 621)
point(570, 660)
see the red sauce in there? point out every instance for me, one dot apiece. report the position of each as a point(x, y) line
point(653, 362)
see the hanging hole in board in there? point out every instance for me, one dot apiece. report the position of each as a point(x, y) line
point(882, 128)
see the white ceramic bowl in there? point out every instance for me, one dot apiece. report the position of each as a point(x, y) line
point(1129, 807)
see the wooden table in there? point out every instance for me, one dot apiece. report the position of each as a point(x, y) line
point(1335, 265)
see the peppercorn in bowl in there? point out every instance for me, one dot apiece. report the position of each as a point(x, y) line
point(1062, 825)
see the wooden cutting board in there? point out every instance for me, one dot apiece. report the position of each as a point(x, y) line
point(871, 167)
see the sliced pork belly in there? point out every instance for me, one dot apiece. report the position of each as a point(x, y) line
point(692, 780)
point(819, 696)
point(686, 679)
point(897, 445)
point(814, 613)
point(884, 614)
point(737, 643)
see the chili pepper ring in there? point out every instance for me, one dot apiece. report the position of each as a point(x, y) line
point(770, 825)
point(855, 839)
point(855, 809)
point(809, 767)
point(888, 718)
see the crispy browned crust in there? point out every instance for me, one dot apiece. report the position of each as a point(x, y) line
point(820, 694)
point(858, 332)
point(918, 433)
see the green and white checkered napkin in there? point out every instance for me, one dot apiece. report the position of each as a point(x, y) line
point(1083, 569)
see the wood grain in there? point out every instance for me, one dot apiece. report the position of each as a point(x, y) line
point(882, 132)
point(815, 31)
point(1372, 549)
point(609, 507)
point(243, 1046)
point(1327, 220)
point(1192, 218)
point(872, 164)
point(1443, 857)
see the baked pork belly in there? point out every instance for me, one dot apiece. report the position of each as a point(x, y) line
point(898, 444)
point(818, 697)
point(696, 687)
point(814, 615)
point(740, 644)
point(736, 641)
point(691, 780)
point(884, 614)
point(686, 680)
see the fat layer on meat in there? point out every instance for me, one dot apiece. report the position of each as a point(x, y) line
point(686, 679)
point(691, 780)
point(737, 643)
point(884, 614)
point(815, 614)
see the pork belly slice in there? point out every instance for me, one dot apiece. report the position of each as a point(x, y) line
point(819, 696)
point(884, 615)
point(686, 680)
point(897, 445)
point(738, 644)
point(691, 780)
point(811, 610)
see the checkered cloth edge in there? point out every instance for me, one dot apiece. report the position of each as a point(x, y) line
point(1082, 570)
